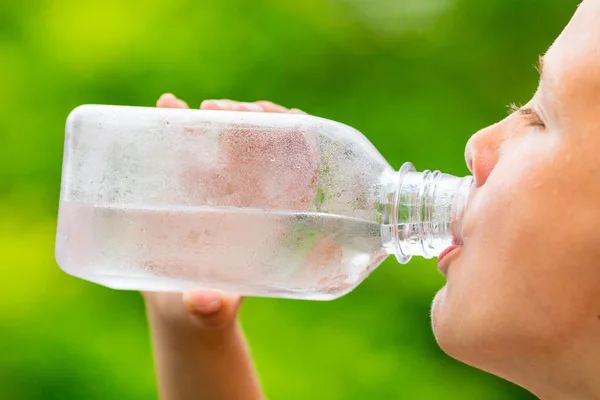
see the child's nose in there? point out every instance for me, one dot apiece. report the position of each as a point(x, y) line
point(481, 153)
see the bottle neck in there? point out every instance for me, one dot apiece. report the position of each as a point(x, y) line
point(422, 212)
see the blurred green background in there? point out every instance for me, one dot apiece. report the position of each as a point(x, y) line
point(418, 77)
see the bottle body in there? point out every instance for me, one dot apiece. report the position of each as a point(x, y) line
point(251, 203)
point(255, 204)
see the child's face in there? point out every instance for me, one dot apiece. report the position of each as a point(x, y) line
point(526, 283)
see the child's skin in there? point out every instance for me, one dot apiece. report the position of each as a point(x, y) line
point(199, 347)
point(522, 299)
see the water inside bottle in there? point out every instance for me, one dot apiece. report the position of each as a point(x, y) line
point(240, 250)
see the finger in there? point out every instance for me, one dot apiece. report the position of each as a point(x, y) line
point(212, 308)
point(296, 111)
point(169, 100)
point(230, 105)
point(258, 106)
point(253, 107)
point(216, 105)
point(271, 107)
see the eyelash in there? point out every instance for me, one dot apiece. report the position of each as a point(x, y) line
point(531, 117)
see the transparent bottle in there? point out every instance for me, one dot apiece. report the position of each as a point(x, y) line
point(257, 204)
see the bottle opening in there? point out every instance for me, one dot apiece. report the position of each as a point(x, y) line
point(427, 211)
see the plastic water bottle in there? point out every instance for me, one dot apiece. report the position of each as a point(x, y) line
point(257, 204)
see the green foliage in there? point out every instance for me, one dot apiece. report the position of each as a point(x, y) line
point(417, 77)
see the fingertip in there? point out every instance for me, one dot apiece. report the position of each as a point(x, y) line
point(223, 105)
point(212, 309)
point(297, 111)
point(269, 106)
point(209, 105)
point(164, 99)
point(252, 107)
point(203, 301)
point(168, 100)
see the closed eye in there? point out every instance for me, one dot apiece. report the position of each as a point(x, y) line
point(529, 115)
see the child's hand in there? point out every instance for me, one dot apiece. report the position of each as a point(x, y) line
point(203, 309)
point(170, 101)
point(212, 309)
point(199, 348)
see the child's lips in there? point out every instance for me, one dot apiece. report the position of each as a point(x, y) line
point(443, 262)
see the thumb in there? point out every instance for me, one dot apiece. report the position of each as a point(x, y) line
point(212, 309)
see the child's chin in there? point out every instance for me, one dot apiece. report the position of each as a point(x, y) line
point(439, 311)
point(444, 324)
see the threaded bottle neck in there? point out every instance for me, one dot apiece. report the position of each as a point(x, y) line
point(424, 213)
